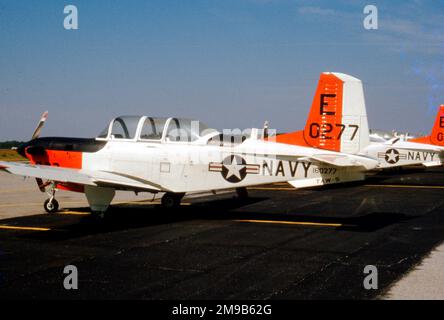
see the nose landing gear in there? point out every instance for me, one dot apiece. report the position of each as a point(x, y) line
point(51, 205)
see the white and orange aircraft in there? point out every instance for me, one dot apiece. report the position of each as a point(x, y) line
point(436, 137)
point(402, 151)
point(178, 156)
point(333, 112)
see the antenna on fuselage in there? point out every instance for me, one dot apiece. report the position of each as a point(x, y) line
point(266, 129)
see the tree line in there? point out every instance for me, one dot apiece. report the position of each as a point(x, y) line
point(9, 144)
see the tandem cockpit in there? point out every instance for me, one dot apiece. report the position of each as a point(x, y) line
point(171, 130)
point(152, 129)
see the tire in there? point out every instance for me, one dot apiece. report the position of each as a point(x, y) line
point(99, 215)
point(242, 193)
point(51, 207)
point(171, 200)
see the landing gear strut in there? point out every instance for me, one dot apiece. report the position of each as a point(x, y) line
point(171, 200)
point(51, 205)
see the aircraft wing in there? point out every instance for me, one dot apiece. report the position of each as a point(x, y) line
point(414, 146)
point(79, 176)
point(345, 160)
point(337, 160)
point(296, 153)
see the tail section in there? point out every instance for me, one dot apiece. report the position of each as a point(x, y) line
point(338, 119)
point(437, 136)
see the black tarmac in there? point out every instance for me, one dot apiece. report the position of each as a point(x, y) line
point(280, 243)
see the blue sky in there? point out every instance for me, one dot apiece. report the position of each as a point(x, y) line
point(229, 63)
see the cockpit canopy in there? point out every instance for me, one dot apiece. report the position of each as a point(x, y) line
point(144, 128)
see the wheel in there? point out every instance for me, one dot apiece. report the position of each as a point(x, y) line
point(242, 193)
point(171, 200)
point(51, 206)
point(99, 215)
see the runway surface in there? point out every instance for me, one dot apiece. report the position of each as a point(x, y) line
point(280, 243)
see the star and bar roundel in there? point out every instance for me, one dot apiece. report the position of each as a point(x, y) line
point(234, 168)
point(392, 156)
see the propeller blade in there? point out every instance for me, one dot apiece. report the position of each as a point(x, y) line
point(35, 135)
point(37, 130)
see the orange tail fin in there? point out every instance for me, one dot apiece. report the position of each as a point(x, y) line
point(437, 135)
point(338, 119)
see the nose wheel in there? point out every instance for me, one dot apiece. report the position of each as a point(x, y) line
point(51, 205)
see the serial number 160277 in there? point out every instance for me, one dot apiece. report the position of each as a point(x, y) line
point(324, 170)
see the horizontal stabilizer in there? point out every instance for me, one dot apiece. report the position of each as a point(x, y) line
point(346, 176)
point(432, 164)
point(342, 160)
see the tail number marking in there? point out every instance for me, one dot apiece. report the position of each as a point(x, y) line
point(321, 130)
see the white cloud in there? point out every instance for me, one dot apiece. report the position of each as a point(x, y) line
point(412, 35)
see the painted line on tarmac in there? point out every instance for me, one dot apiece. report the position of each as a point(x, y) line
point(366, 185)
point(147, 202)
point(74, 213)
point(403, 186)
point(4, 227)
point(300, 223)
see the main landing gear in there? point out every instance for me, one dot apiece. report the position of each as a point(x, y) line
point(171, 200)
point(242, 193)
point(51, 205)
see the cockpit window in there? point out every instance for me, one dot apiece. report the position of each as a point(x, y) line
point(152, 128)
point(176, 132)
point(182, 130)
point(186, 130)
point(125, 127)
